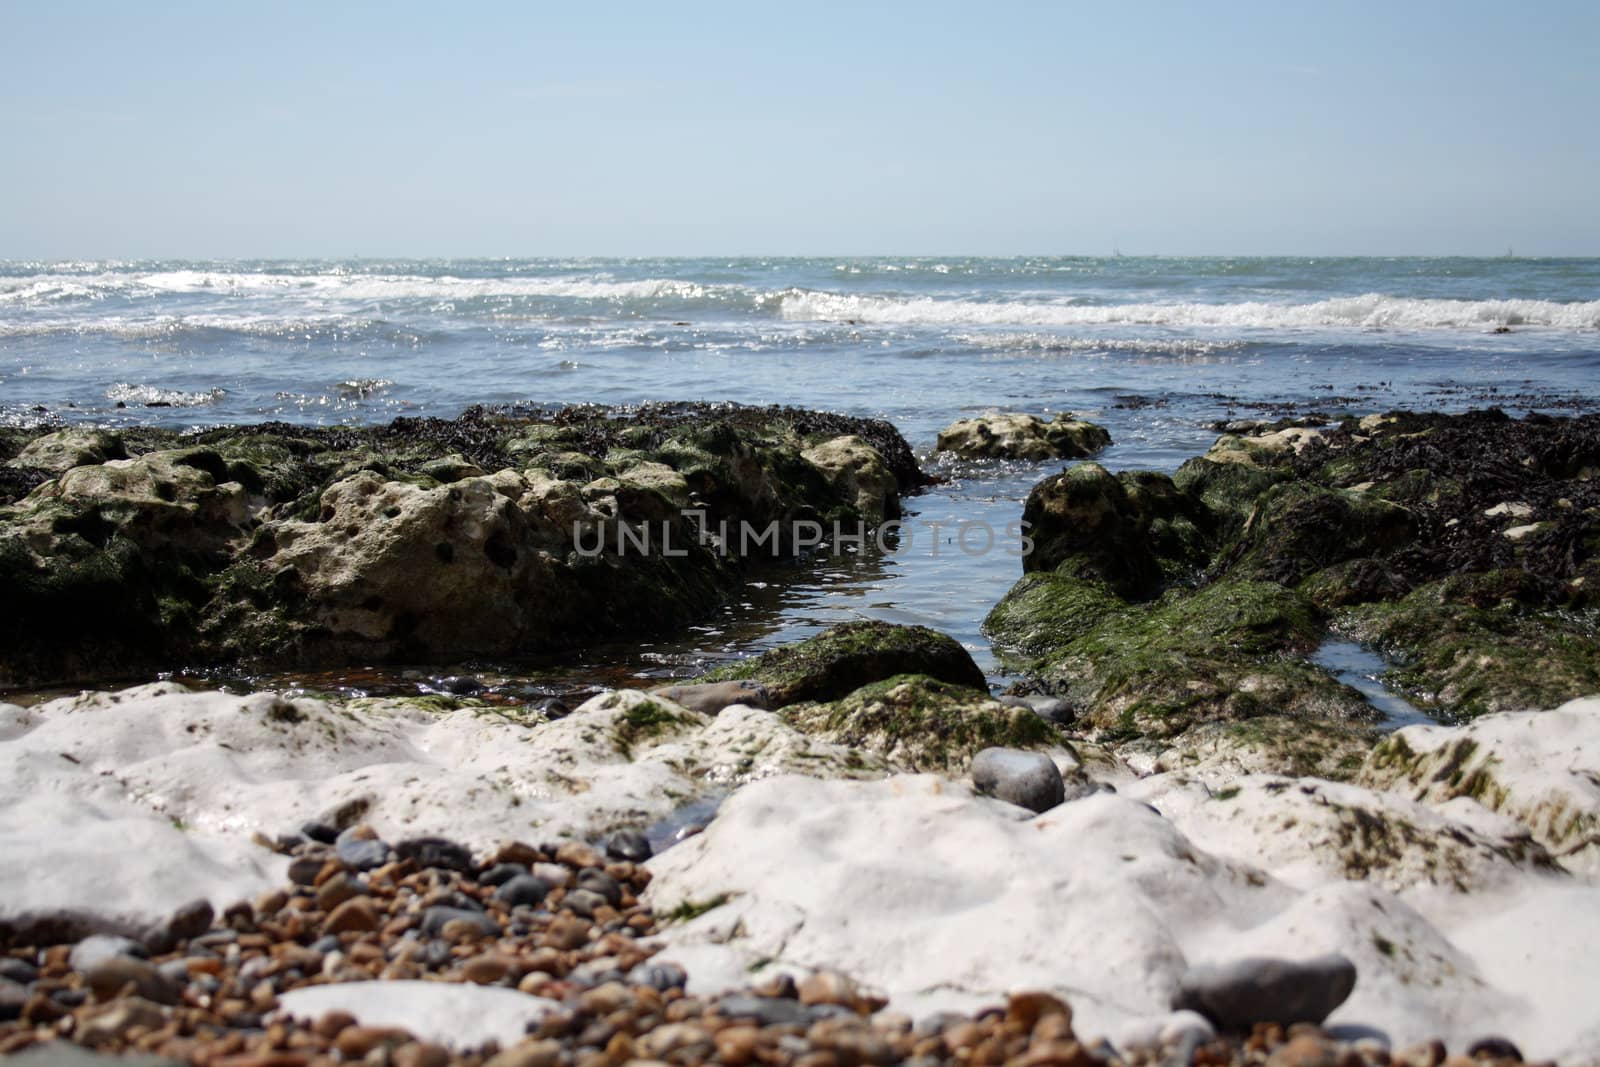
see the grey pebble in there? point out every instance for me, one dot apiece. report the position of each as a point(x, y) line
point(524, 890)
point(1027, 779)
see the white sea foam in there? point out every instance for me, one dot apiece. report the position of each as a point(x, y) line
point(150, 395)
point(1371, 311)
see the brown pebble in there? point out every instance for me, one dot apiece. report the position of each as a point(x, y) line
point(421, 1054)
point(486, 969)
point(516, 852)
point(1426, 1054)
point(826, 987)
point(112, 974)
point(577, 854)
point(604, 999)
point(336, 890)
point(1026, 1009)
point(963, 1036)
point(1058, 1054)
point(1305, 1050)
point(354, 915)
point(567, 932)
point(333, 1024)
point(737, 1045)
point(263, 1059)
point(535, 1053)
point(354, 1042)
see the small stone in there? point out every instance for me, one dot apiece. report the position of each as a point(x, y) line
point(709, 698)
point(567, 932)
point(359, 853)
point(188, 921)
point(338, 889)
point(356, 915)
point(112, 974)
point(1057, 1053)
point(1026, 1009)
point(303, 870)
point(354, 1042)
point(605, 999)
point(1494, 1048)
point(13, 995)
point(461, 685)
point(501, 873)
point(576, 854)
point(110, 1022)
point(583, 902)
point(18, 970)
point(486, 969)
point(421, 1054)
point(535, 1053)
point(1237, 995)
point(768, 1011)
point(333, 1024)
point(597, 881)
point(98, 947)
point(436, 852)
point(826, 987)
point(1427, 1054)
point(661, 976)
point(522, 890)
point(1027, 779)
point(552, 708)
point(630, 845)
point(1305, 1050)
point(435, 919)
point(1052, 709)
point(737, 1045)
point(319, 831)
point(558, 876)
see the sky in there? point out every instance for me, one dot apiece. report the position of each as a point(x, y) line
point(289, 129)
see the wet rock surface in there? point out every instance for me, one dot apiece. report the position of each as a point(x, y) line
point(1022, 436)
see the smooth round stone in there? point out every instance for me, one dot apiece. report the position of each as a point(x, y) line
point(319, 831)
point(501, 873)
point(461, 685)
point(188, 921)
point(18, 971)
point(108, 977)
point(1240, 994)
point(768, 1011)
point(663, 976)
point(361, 854)
point(1497, 1048)
point(583, 902)
point(325, 945)
point(436, 918)
point(524, 890)
point(13, 995)
point(598, 881)
point(436, 852)
point(630, 845)
point(303, 870)
point(1051, 709)
point(1027, 779)
point(101, 947)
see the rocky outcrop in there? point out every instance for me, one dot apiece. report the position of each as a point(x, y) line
point(1465, 547)
point(496, 533)
point(1018, 436)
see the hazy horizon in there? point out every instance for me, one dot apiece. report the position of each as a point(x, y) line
point(189, 131)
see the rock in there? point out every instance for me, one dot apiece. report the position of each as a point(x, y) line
point(1237, 995)
point(356, 1042)
point(661, 976)
point(630, 845)
point(541, 1052)
point(13, 995)
point(110, 1022)
point(421, 1054)
point(111, 975)
point(67, 1054)
point(1305, 1050)
point(361, 854)
point(456, 1015)
point(552, 708)
point(768, 1011)
point(356, 915)
point(848, 656)
point(1017, 436)
point(602, 884)
point(487, 969)
point(858, 474)
point(917, 722)
point(1051, 709)
point(436, 852)
point(501, 873)
point(63, 450)
point(1494, 1048)
point(99, 947)
point(435, 919)
point(16, 970)
point(583, 902)
point(303, 870)
point(522, 890)
point(1027, 779)
point(338, 889)
point(709, 698)
point(189, 921)
point(461, 685)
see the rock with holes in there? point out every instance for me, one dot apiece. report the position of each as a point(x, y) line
point(1011, 435)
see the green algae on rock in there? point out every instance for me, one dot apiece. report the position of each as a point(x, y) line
point(921, 723)
point(1011, 435)
point(846, 657)
point(496, 533)
point(1465, 547)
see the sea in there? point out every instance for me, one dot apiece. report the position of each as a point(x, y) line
point(1162, 351)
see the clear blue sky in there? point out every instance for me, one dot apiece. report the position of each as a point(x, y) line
point(287, 129)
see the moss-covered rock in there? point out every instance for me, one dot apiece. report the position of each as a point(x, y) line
point(842, 659)
point(495, 533)
point(921, 723)
point(1010, 435)
point(1271, 744)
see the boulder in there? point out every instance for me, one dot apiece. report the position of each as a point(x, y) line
point(846, 657)
point(1238, 994)
point(859, 475)
point(1020, 436)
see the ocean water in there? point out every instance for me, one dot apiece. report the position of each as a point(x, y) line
point(1159, 350)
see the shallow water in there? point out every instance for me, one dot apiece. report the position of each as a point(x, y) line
point(1362, 670)
point(1158, 350)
